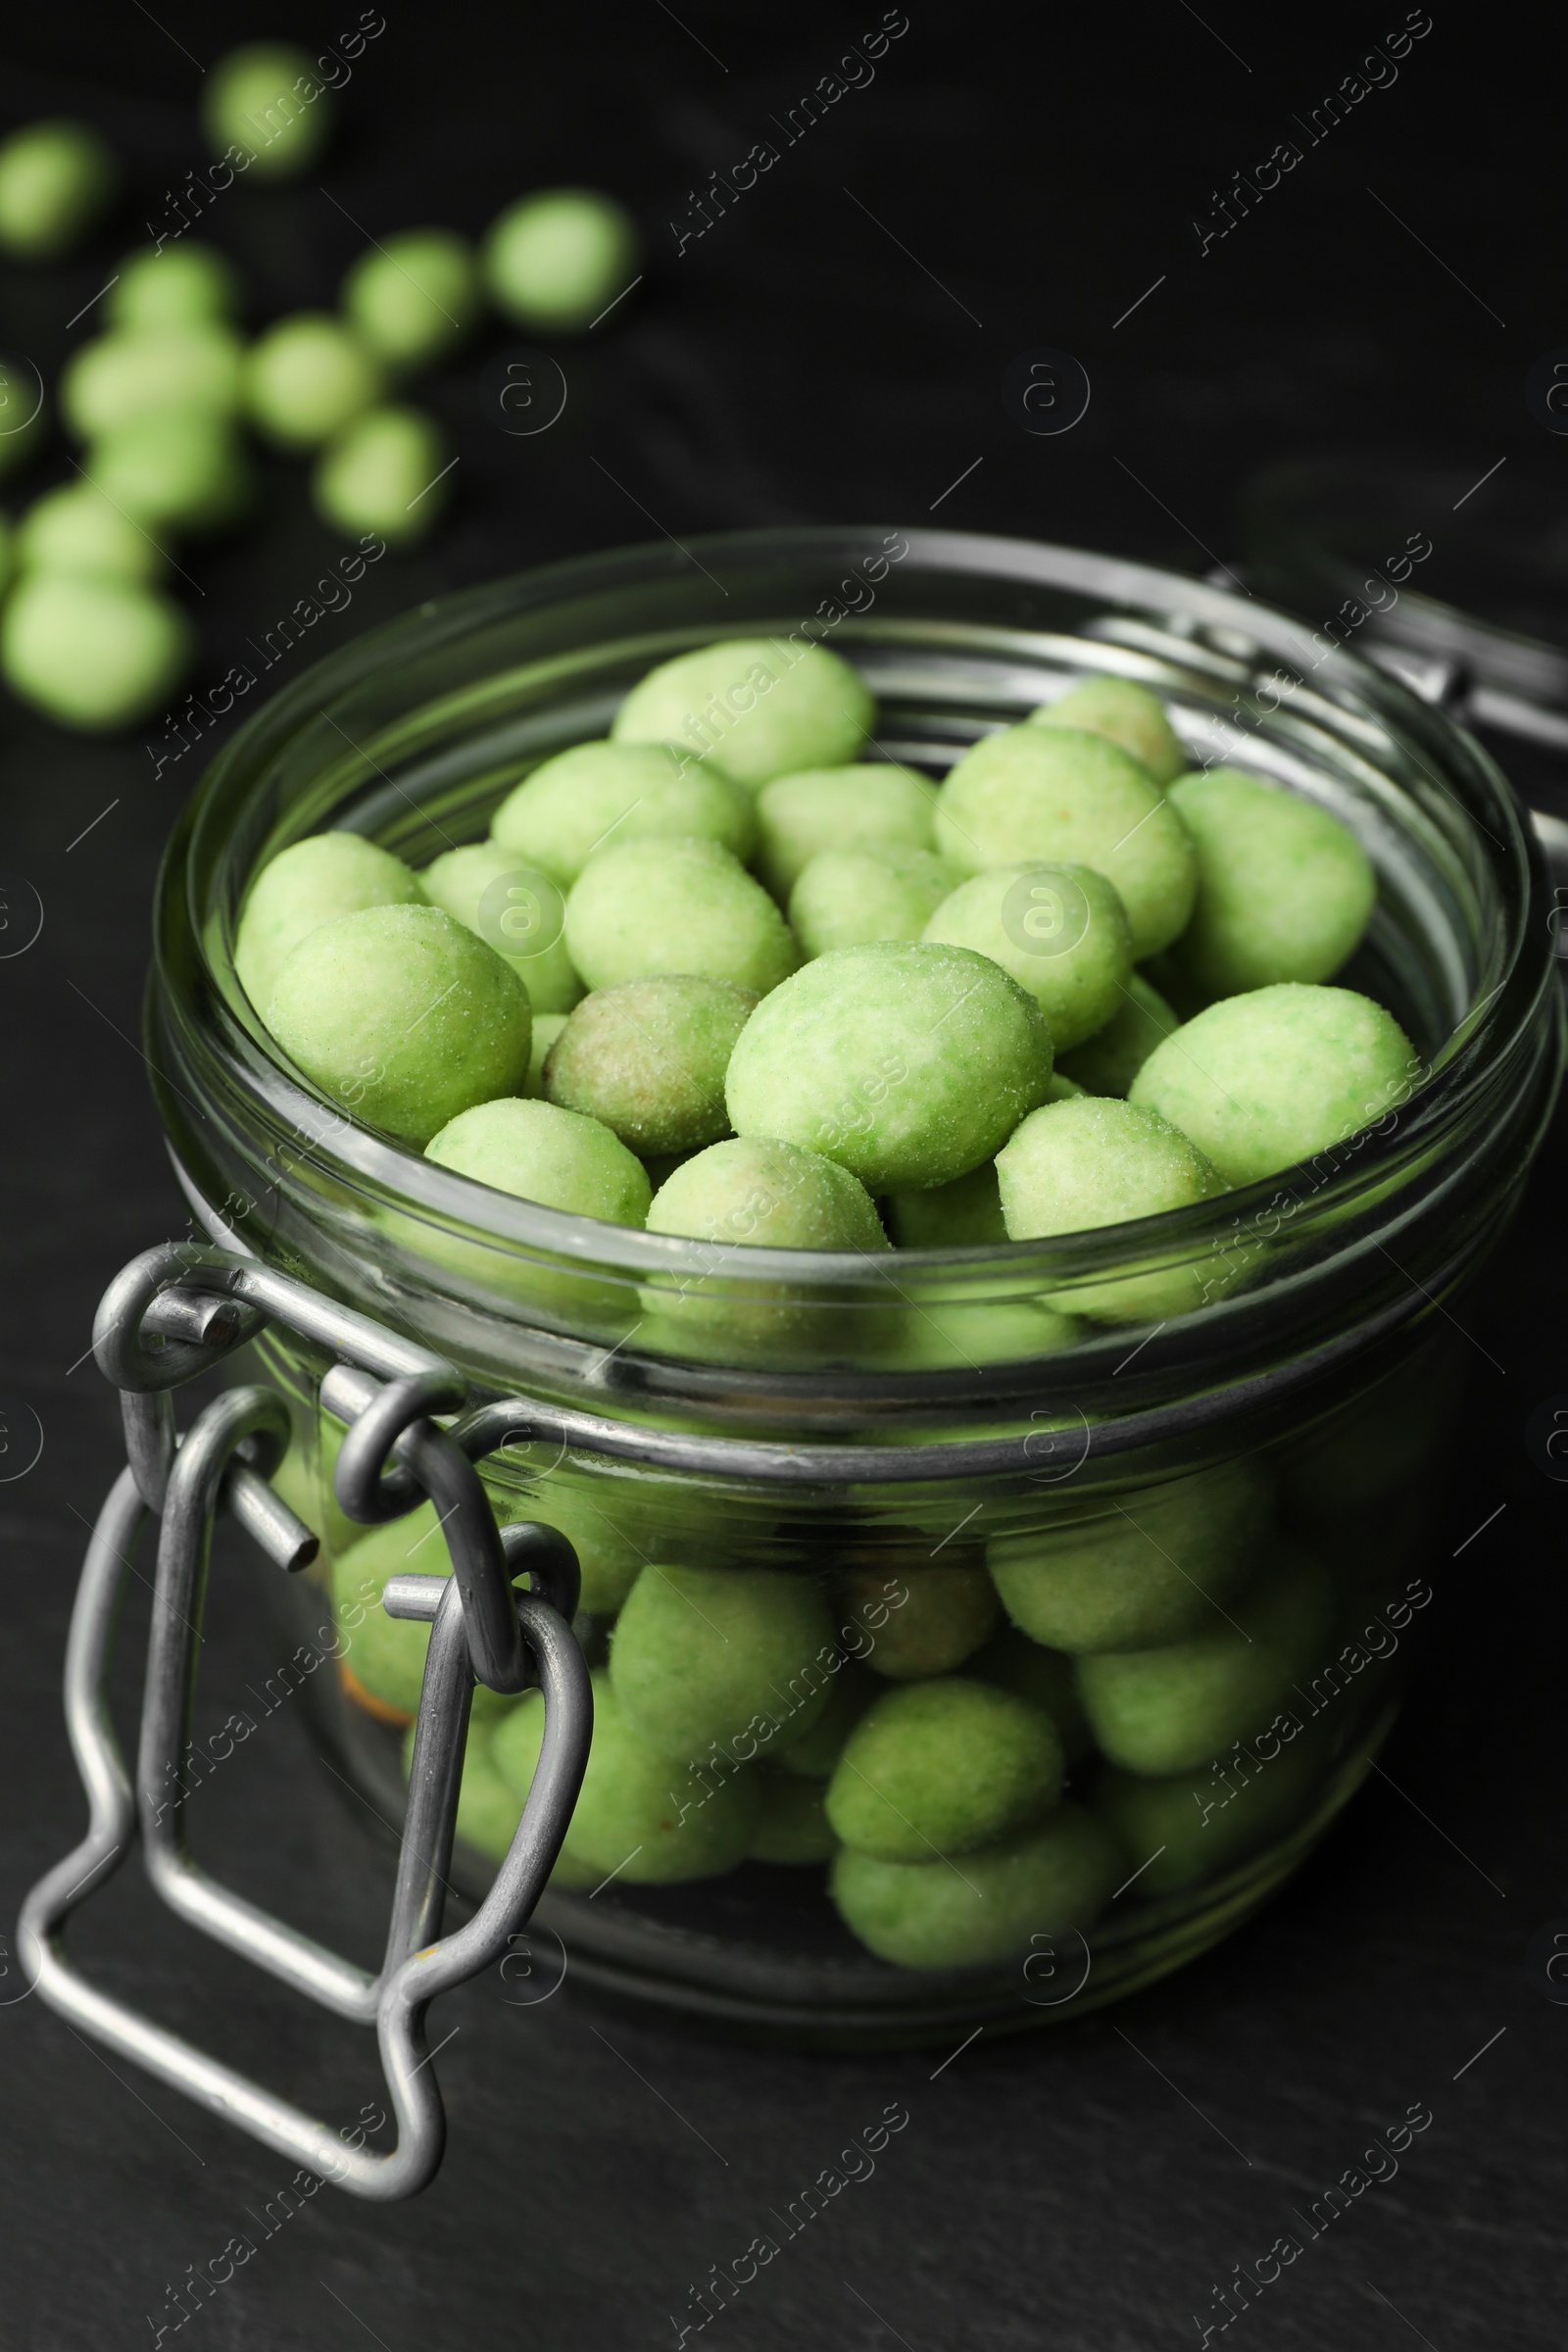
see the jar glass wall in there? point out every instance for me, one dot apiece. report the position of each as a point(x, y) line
point(1169, 1482)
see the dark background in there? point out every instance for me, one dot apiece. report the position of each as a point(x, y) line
point(1031, 174)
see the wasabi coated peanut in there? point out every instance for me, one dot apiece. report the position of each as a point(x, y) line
point(136, 372)
point(179, 285)
point(183, 469)
point(1195, 1824)
point(267, 100)
point(1061, 796)
point(307, 377)
point(76, 529)
point(556, 259)
point(515, 909)
point(546, 1027)
point(813, 1752)
point(725, 1656)
point(965, 1214)
point(763, 707)
point(755, 1193)
point(547, 1155)
point(384, 473)
point(306, 885)
point(938, 1768)
point(1284, 891)
point(414, 296)
point(1060, 931)
point(832, 807)
point(1262, 1081)
point(907, 1064)
point(1046, 1881)
point(946, 1614)
point(1108, 1062)
point(24, 416)
point(1072, 1167)
point(596, 793)
point(649, 1060)
point(489, 1808)
point(1170, 1709)
point(678, 905)
point(792, 1827)
point(1045, 1678)
point(1126, 713)
point(1158, 1566)
point(402, 1018)
point(647, 1819)
point(385, 1654)
point(92, 653)
point(848, 897)
point(57, 179)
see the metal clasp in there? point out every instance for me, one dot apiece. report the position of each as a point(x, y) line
point(173, 1313)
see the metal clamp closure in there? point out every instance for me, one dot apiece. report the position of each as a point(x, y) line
point(173, 1313)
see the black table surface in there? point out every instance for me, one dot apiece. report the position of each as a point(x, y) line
point(832, 347)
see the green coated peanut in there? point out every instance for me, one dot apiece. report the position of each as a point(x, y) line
point(639, 1817)
point(403, 1016)
point(1061, 932)
point(1126, 713)
point(1075, 1166)
point(706, 1657)
point(92, 652)
point(1262, 1081)
point(850, 898)
point(309, 883)
point(1159, 1564)
point(556, 259)
point(834, 807)
point(676, 906)
point(595, 793)
point(414, 296)
point(387, 471)
point(1168, 1710)
point(307, 378)
point(516, 910)
point(138, 372)
point(1284, 891)
point(542, 1153)
point(1046, 1881)
point(762, 706)
point(937, 1768)
point(57, 180)
point(907, 1064)
point(1062, 796)
point(945, 1613)
point(266, 101)
point(187, 284)
point(649, 1060)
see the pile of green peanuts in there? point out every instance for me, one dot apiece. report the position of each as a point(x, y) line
point(982, 1745)
point(164, 406)
point(768, 991)
point(771, 993)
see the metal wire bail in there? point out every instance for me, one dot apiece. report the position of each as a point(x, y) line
point(170, 1314)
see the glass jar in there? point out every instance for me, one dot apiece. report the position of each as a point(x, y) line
point(1198, 1457)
